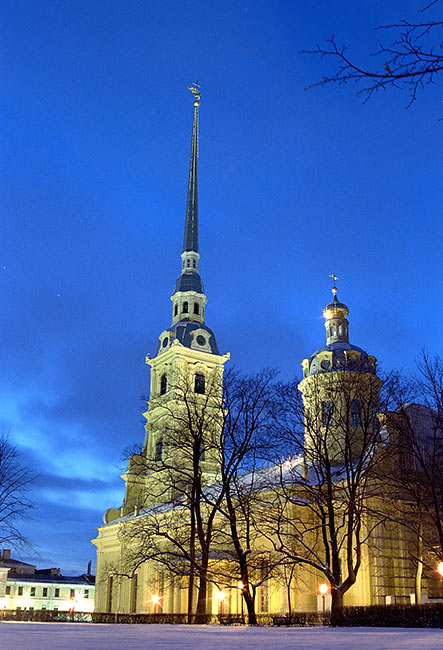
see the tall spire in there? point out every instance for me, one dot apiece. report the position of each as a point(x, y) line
point(190, 282)
point(190, 242)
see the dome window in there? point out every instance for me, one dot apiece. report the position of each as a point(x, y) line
point(196, 308)
point(163, 384)
point(327, 413)
point(199, 384)
point(355, 413)
point(185, 308)
point(175, 309)
point(159, 449)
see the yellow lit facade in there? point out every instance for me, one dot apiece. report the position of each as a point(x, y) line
point(339, 383)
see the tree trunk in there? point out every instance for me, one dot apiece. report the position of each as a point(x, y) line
point(336, 606)
point(288, 587)
point(250, 606)
point(202, 592)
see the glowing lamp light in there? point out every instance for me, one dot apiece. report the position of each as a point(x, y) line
point(240, 585)
point(323, 589)
point(221, 595)
point(440, 568)
point(155, 599)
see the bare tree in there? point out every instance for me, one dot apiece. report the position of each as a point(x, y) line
point(323, 506)
point(193, 501)
point(15, 484)
point(411, 58)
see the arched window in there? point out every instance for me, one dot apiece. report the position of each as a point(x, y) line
point(188, 262)
point(194, 264)
point(327, 413)
point(159, 449)
point(185, 308)
point(196, 308)
point(176, 310)
point(355, 413)
point(340, 330)
point(199, 385)
point(163, 384)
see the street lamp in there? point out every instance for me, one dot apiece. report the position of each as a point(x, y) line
point(323, 589)
point(156, 601)
point(221, 598)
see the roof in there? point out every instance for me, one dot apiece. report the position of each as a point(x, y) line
point(339, 360)
point(189, 281)
point(47, 577)
point(15, 563)
point(182, 331)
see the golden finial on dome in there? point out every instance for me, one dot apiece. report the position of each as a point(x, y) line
point(334, 279)
point(335, 309)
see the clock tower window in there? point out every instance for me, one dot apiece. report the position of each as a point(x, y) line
point(199, 385)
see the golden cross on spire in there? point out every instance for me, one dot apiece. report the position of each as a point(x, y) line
point(334, 279)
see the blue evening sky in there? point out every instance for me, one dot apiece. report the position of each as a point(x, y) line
point(294, 185)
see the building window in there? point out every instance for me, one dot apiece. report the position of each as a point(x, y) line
point(55, 609)
point(72, 594)
point(264, 596)
point(110, 587)
point(185, 308)
point(176, 310)
point(163, 384)
point(32, 592)
point(327, 413)
point(199, 385)
point(57, 592)
point(196, 308)
point(194, 264)
point(45, 592)
point(355, 413)
point(188, 263)
point(43, 606)
point(86, 594)
point(8, 590)
point(159, 449)
point(20, 591)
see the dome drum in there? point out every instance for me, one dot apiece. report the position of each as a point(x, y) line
point(336, 357)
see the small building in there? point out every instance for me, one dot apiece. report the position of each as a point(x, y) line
point(24, 587)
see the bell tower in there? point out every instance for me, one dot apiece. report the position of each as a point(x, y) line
point(340, 391)
point(186, 374)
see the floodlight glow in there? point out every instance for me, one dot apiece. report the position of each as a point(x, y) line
point(323, 589)
point(221, 595)
point(440, 568)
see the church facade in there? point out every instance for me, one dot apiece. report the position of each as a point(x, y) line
point(187, 373)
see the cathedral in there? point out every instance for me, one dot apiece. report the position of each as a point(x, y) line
point(339, 385)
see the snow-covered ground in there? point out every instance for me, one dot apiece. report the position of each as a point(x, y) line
point(83, 636)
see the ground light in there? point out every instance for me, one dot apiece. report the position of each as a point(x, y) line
point(221, 599)
point(155, 601)
point(440, 569)
point(323, 590)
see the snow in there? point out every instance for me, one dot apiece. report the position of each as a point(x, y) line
point(84, 636)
